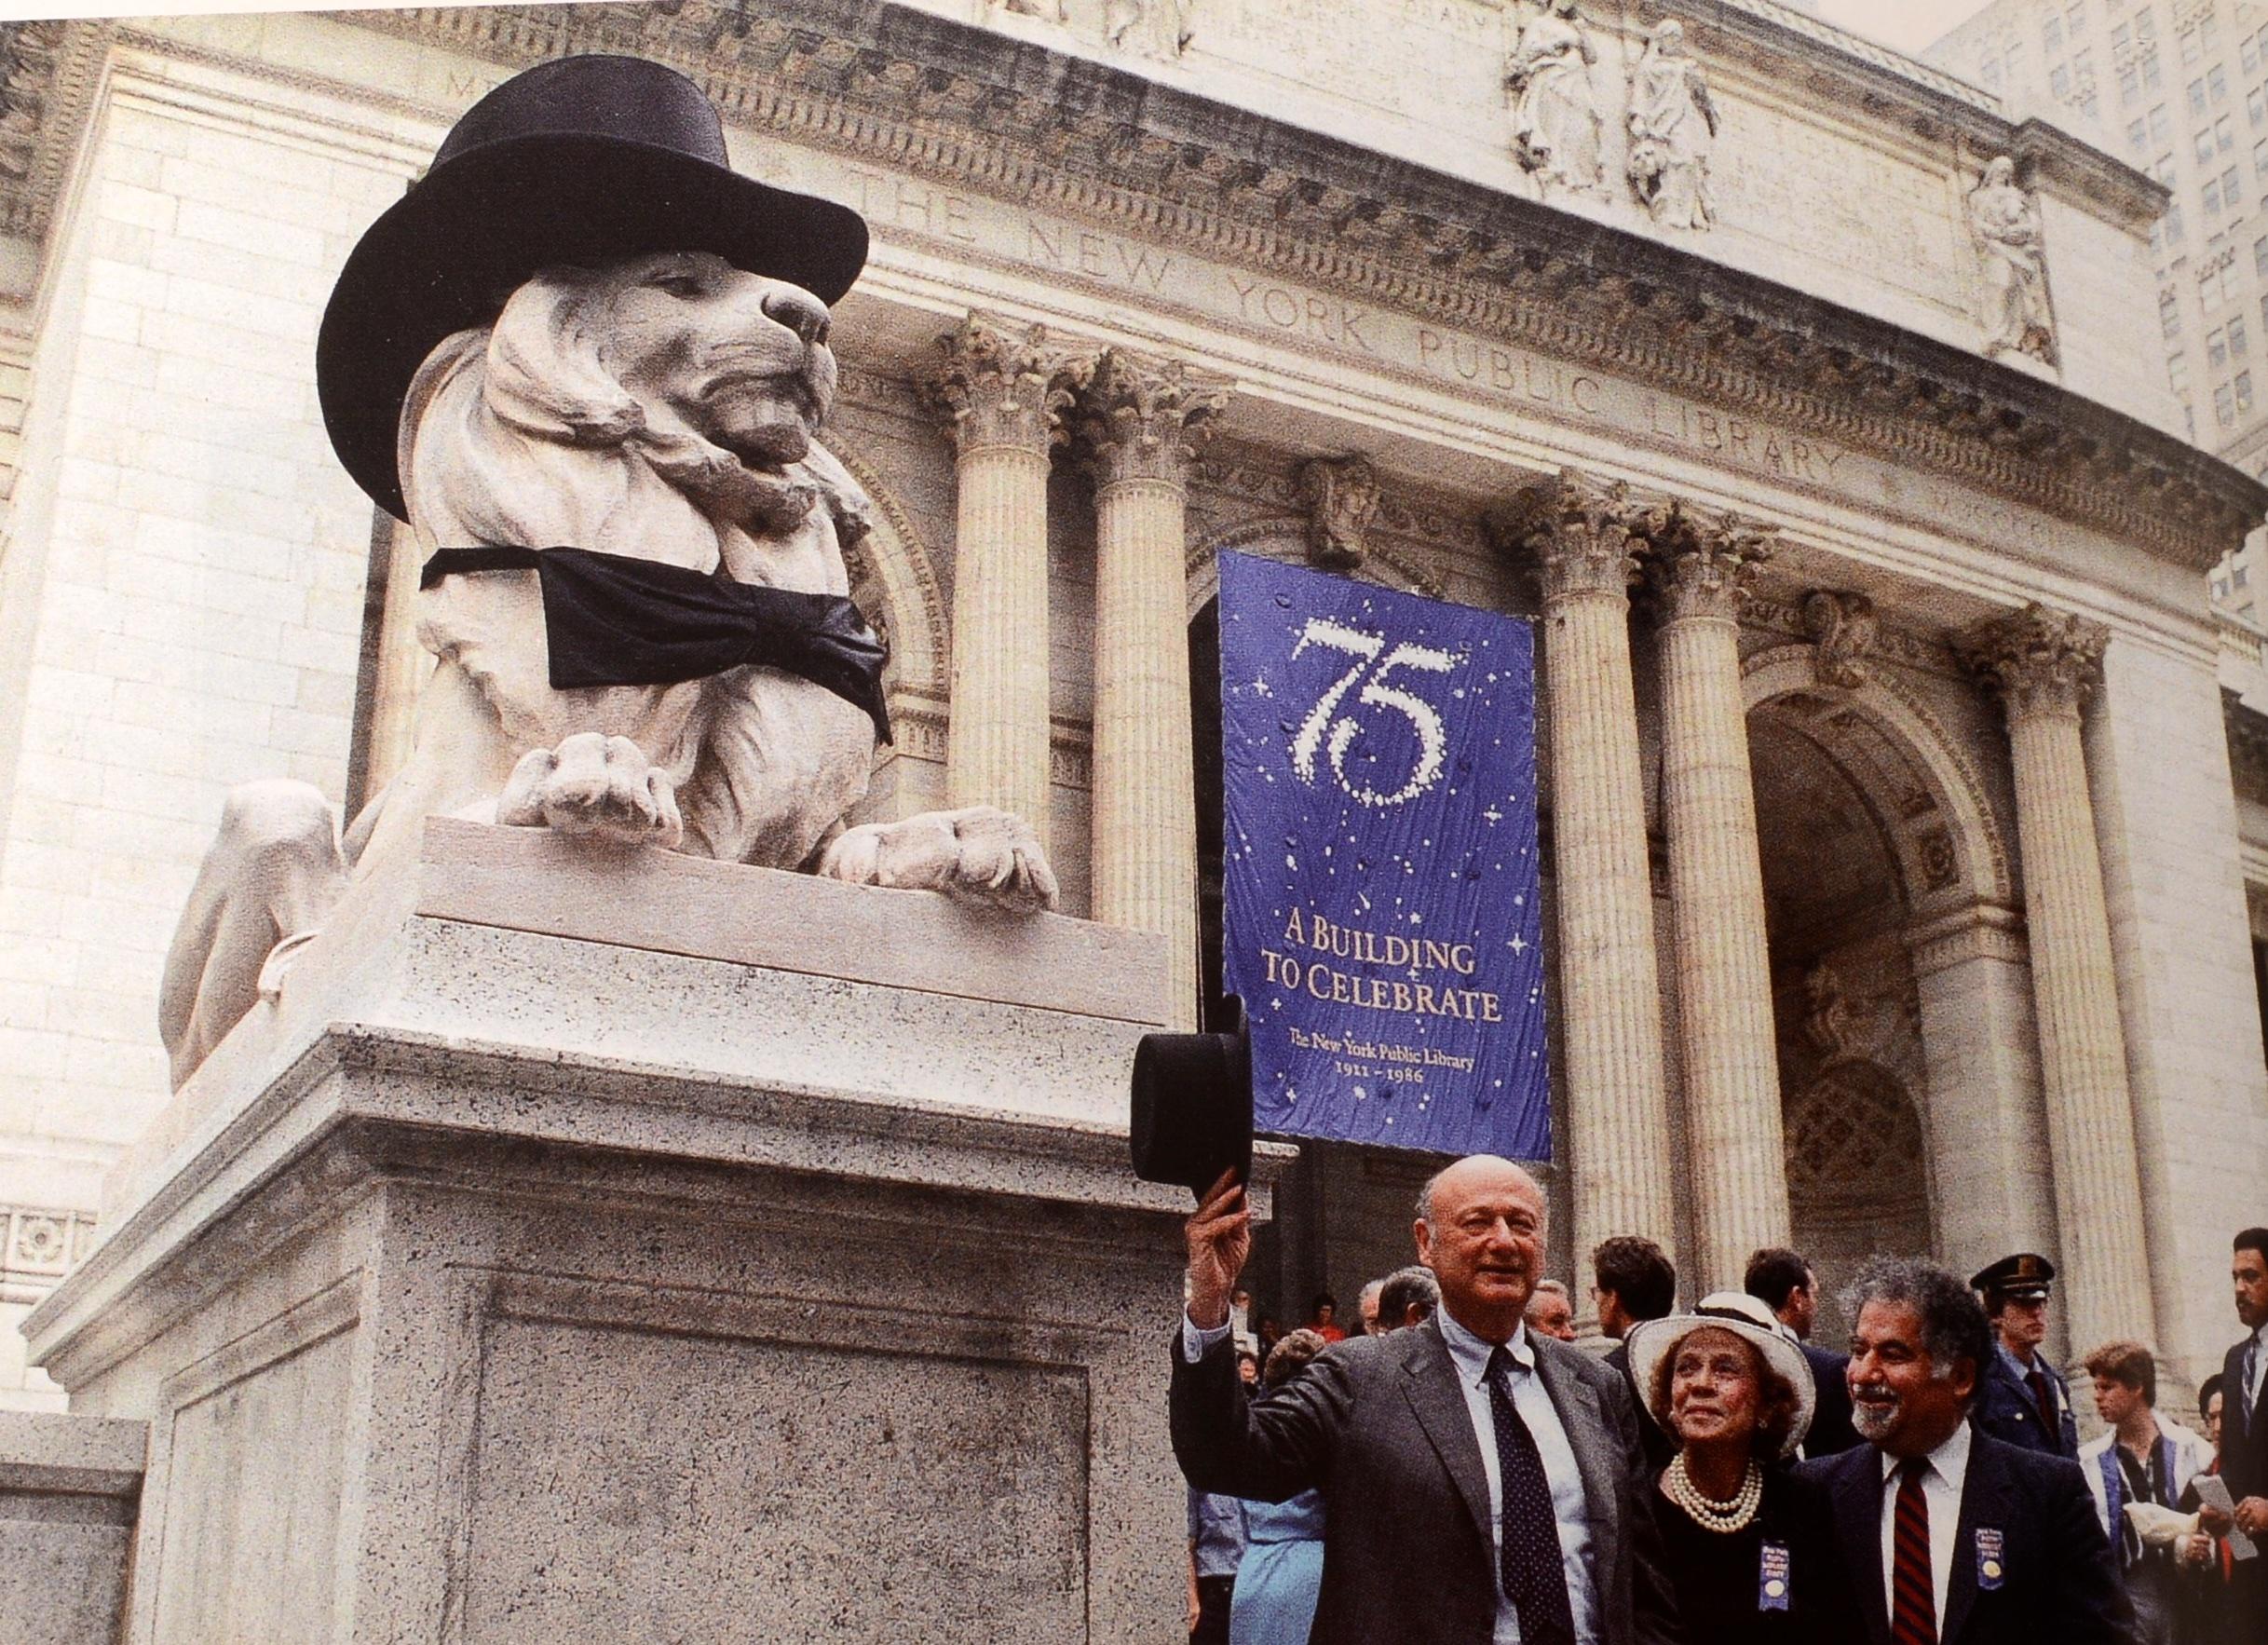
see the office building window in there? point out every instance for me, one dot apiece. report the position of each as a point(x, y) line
point(2242, 389)
point(2225, 406)
point(2161, 124)
point(2224, 133)
point(2177, 373)
point(2238, 344)
point(2217, 83)
point(2169, 312)
point(2217, 347)
point(2196, 97)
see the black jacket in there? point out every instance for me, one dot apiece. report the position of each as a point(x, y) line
point(2058, 1582)
point(1379, 1424)
point(1830, 1431)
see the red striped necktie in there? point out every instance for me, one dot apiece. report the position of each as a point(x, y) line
point(1913, 1617)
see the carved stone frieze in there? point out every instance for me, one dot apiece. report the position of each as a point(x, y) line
point(1672, 131)
point(1144, 418)
point(1842, 626)
point(930, 99)
point(1555, 116)
point(2011, 265)
point(2038, 660)
point(1001, 384)
point(1698, 565)
point(2248, 735)
point(1342, 499)
point(1583, 536)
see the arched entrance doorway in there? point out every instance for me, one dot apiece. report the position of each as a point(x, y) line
point(1835, 793)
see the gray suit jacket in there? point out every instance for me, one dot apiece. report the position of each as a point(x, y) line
point(1380, 1426)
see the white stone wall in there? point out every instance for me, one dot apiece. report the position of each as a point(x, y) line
point(183, 581)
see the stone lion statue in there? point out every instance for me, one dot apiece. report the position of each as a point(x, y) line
point(636, 597)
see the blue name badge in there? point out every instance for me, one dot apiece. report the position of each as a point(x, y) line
point(1992, 1563)
point(1772, 1577)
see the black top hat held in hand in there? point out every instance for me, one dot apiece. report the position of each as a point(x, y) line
point(1192, 1106)
point(579, 162)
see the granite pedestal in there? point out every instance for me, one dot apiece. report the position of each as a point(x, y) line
point(649, 1250)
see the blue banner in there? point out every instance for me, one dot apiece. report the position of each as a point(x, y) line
point(1384, 926)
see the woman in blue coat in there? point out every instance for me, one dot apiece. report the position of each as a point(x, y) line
point(1277, 1585)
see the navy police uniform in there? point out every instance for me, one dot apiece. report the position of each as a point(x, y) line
point(2029, 1406)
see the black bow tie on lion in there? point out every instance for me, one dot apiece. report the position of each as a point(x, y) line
point(612, 620)
point(581, 161)
point(1192, 1106)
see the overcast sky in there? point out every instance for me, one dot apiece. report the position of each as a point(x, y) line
point(1907, 25)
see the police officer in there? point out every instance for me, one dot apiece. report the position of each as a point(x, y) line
point(2022, 1398)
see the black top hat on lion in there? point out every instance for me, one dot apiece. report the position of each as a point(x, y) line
point(579, 162)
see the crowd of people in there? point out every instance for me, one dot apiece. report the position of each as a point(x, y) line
point(1460, 1470)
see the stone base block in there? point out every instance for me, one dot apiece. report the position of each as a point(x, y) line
point(67, 1491)
point(734, 1256)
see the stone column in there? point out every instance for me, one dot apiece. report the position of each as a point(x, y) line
point(1579, 536)
point(1002, 391)
point(1142, 420)
point(2043, 665)
point(1697, 567)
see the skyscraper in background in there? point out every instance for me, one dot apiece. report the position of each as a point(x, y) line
point(2177, 89)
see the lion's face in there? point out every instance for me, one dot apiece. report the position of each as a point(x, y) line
point(742, 359)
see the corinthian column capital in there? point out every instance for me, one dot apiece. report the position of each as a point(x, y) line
point(1001, 384)
point(1698, 563)
point(2038, 660)
point(1144, 418)
point(1580, 535)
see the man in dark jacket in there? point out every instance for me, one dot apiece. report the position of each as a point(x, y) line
point(1951, 1537)
point(2243, 1433)
point(1500, 1478)
point(1784, 1281)
point(2022, 1399)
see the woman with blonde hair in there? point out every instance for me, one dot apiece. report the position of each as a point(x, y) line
point(1746, 1539)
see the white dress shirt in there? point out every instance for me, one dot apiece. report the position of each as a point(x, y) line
point(1470, 1354)
point(2259, 1371)
point(1949, 1470)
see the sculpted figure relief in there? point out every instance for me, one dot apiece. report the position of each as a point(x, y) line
point(636, 589)
point(1162, 27)
point(1554, 111)
point(1673, 128)
point(2005, 226)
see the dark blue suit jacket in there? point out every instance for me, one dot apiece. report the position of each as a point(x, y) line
point(2006, 1411)
point(2244, 1430)
point(2058, 1582)
point(1831, 1431)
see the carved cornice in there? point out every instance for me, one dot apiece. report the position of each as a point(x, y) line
point(1698, 565)
point(1001, 384)
point(928, 96)
point(1145, 418)
point(1342, 499)
point(1255, 475)
point(1910, 647)
point(2037, 661)
point(1842, 627)
point(2248, 735)
point(1581, 536)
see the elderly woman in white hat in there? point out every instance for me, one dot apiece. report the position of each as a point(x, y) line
point(1746, 1539)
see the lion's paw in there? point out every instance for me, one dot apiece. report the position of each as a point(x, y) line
point(593, 787)
point(978, 854)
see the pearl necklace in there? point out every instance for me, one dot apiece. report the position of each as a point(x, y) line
point(1707, 1512)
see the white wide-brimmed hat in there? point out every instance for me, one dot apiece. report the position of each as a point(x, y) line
point(1654, 1340)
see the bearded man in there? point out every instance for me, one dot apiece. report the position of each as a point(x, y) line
point(1951, 1537)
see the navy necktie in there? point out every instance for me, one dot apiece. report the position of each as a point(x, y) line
point(1534, 1570)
